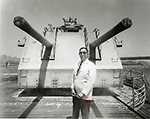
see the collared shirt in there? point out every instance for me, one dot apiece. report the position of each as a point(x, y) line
point(84, 81)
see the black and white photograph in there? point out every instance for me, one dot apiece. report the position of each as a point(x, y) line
point(75, 59)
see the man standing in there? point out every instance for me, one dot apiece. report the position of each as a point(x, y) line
point(84, 76)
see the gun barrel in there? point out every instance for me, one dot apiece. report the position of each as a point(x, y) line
point(21, 23)
point(121, 26)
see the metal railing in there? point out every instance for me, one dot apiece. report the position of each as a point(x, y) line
point(135, 80)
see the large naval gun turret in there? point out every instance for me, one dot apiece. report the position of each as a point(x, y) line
point(48, 61)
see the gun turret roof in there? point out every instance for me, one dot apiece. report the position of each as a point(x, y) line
point(71, 25)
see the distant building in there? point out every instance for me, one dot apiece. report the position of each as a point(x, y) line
point(8, 60)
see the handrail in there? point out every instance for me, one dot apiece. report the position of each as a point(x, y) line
point(136, 78)
point(141, 88)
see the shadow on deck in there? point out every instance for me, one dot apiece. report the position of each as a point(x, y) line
point(61, 92)
point(39, 93)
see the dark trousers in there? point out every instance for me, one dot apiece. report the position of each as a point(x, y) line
point(83, 105)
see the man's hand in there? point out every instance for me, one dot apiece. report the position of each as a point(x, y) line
point(80, 95)
point(73, 92)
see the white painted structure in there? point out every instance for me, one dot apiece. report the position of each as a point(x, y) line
point(66, 56)
point(57, 71)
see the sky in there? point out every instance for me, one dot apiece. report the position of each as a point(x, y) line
point(102, 14)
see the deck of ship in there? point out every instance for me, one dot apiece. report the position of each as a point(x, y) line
point(21, 103)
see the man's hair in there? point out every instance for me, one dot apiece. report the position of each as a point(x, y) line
point(83, 48)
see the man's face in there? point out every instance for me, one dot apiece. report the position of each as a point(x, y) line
point(83, 54)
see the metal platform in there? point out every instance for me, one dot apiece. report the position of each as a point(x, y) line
point(20, 103)
point(61, 107)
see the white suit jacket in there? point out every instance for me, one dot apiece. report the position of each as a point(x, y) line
point(84, 81)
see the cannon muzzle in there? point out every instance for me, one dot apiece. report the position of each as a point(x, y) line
point(121, 26)
point(21, 23)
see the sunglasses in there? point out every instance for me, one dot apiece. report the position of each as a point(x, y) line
point(82, 53)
